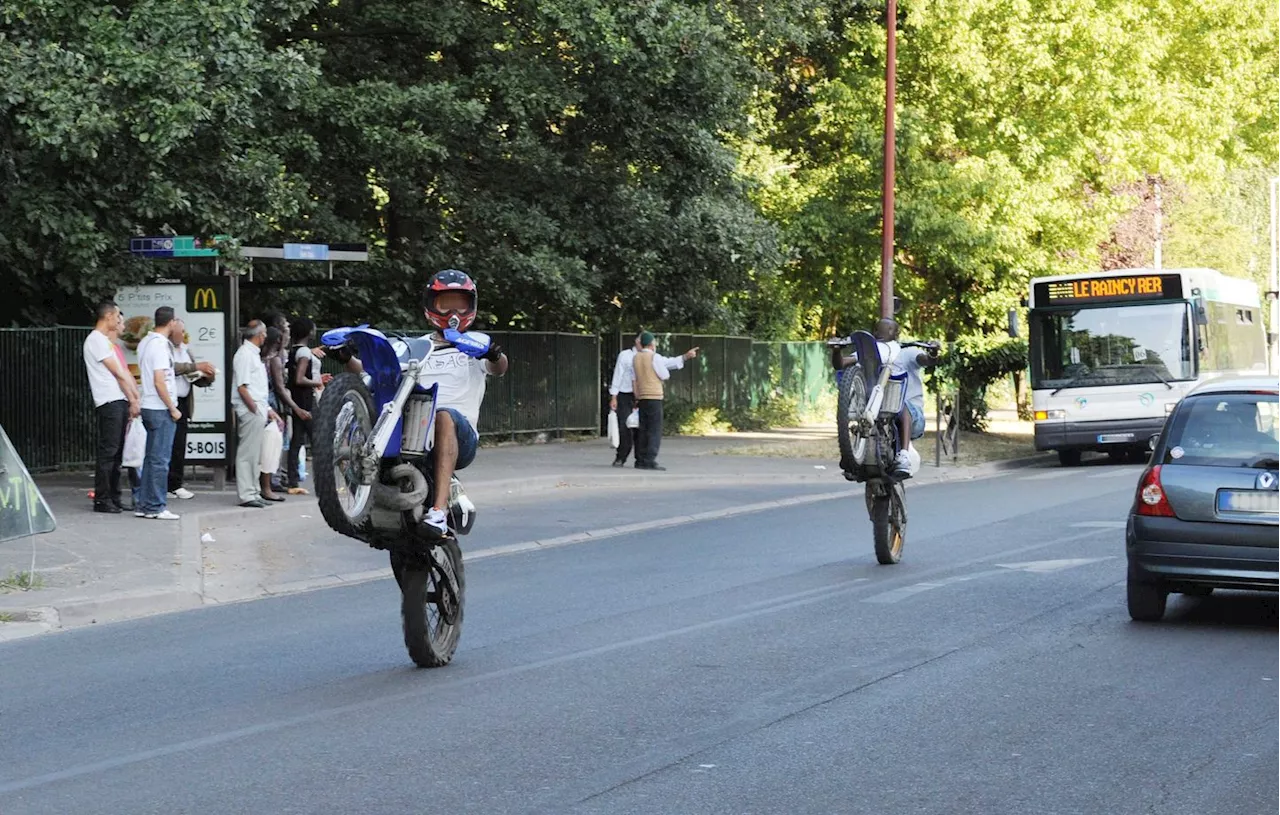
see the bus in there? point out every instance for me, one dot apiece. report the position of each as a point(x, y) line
point(1111, 353)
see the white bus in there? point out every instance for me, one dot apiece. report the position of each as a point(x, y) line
point(1112, 353)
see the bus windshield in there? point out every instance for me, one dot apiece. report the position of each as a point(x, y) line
point(1114, 345)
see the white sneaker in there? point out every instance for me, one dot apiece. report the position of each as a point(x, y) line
point(162, 516)
point(183, 493)
point(902, 462)
point(436, 521)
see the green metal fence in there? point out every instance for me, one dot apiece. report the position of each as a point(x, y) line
point(557, 383)
point(46, 409)
point(737, 372)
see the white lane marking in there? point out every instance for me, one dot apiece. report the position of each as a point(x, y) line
point(1046, 566)
point(1047, 476)
point(903, 593)
point(835, 588)
point(1099, 525)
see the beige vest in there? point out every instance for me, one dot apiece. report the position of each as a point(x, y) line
point(648, 385)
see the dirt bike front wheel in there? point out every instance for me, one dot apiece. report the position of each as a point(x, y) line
point(343, 422)
point(850, 406)
point(888, 523)
point(433, 588)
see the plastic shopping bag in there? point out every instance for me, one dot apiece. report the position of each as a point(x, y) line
point(135, 444)
point(614, 438)
point(633, 421)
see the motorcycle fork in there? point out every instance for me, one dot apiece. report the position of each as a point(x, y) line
point(385, 427)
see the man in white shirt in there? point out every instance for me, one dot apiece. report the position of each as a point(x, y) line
point(186, 368)
point(622, 397)
point(249, 398)
point(651, 370)
point(115, 401)
point(160, 416)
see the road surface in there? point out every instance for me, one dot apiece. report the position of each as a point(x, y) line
point(760, 663)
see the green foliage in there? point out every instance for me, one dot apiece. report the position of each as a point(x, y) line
point(778, 410)
point(971, 365)
point(598, 165)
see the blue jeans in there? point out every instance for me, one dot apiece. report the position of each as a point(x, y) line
point(153, 493)
point(917, 420)
point(468, 440)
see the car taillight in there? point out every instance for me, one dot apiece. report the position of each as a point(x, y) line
point(1151, 498)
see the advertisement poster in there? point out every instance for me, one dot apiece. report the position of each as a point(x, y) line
point(201, 306)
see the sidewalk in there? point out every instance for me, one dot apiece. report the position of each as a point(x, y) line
point(95, 568)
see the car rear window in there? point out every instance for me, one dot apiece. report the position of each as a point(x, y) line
point(1225, 430)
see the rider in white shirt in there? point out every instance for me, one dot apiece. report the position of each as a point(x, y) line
point(450, 301)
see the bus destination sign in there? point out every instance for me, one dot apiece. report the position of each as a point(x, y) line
point(1121, 288)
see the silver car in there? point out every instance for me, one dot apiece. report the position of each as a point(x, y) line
point(1206, 512)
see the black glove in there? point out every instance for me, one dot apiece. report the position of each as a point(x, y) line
point(493, 354)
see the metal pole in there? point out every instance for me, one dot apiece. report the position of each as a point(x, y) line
point(937, 434)
point(890, 93)
point(1159, 260)
point(1273, 287)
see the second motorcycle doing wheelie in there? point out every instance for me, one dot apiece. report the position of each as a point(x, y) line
point(879, 411)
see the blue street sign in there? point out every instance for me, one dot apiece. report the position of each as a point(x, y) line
point(306, 251)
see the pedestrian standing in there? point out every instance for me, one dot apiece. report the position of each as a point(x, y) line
point(273, 436)
point(304, 377)
point(622, 397)
point(115, 402)
point(281, 398)
point(249, 398)
point(651, 370)
point(189, 372)
point(160, 416)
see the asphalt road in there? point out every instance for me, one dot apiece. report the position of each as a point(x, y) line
point(756, 664)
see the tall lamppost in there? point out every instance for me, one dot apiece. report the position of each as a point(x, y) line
point(886, 209)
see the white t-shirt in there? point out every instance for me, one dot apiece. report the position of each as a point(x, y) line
point(461, 379)
point(155, 353)
point(182, 354)
point(908, 362)
point(102, 383)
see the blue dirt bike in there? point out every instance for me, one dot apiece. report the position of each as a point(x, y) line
point(870, 399)
point(373, 434)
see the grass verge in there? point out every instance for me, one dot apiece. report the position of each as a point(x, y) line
point(21, 581)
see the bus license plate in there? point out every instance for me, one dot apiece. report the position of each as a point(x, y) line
point(1253, 502)
point(1115, 438)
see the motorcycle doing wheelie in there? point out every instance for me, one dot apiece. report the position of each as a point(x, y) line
point(870, 399)
point(374, 476)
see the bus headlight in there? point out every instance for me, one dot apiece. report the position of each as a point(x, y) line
point(1168, 408)
point(1045, 415)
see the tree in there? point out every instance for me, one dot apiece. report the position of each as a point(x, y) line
point(116, 120)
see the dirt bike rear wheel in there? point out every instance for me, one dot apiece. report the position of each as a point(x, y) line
point(850, 406)
point(342, 423)
point(888, 524)
point(433, 589)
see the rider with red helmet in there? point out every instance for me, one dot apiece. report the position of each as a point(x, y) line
point(449, 301)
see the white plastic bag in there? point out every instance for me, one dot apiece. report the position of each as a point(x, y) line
point(614, 437)
point(633, 421)
point(135, 444)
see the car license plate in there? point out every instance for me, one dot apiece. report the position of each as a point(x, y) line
point(1253, 502)
point(1115, 438)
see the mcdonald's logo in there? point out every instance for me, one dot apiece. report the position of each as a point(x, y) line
point(204, 298)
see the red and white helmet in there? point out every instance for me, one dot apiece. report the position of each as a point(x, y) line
point(450, 280)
